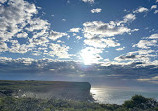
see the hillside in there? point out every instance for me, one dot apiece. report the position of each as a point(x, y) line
point(137, 103)
point(46, 89)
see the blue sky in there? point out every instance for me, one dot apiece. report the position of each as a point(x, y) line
point(79, 40)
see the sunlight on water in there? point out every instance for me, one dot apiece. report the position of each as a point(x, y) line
point(99, 94)
point(118, 96)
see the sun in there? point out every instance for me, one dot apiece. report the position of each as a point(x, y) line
point(89, 56)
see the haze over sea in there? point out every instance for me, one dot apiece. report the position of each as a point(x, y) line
point(119, 95)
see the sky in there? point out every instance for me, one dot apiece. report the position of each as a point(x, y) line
point(100, 41)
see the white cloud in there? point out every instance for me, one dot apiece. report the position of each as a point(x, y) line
point(153, 6)
point(101, 43)
point(95, 32)
point(156, 11)
point(133, 58)
point(41, 33)
point(3, 1)
point(16, 47)
point(19, 49)
point(63, 20)
point(56, 35)
point(129, 17)
point(119, 49)
point(65, 68)
point(156, 0)
point(68, 1)
point(39, 41)
point(14, 17)
point(89, 1)
point(145, 44)
point(61, 51)
point(145, 57)
point(3, 47)
point(37, 24)
point(5, 59)
point(74, 34)
point(142, 52)
point(140, 10)
point(101, 29)
point(153, 36)
point(97, 10)
point(155, 78)
point(18, 20)
point(59, 41)
point(22, 35)
point(78, 37)
point(75, 30)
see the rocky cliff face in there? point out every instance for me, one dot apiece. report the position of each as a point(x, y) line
point(48, 89)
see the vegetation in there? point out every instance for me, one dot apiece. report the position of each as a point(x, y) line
point(137, 103)
point(46, 89)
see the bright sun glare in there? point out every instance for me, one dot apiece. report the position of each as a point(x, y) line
point(89, 56)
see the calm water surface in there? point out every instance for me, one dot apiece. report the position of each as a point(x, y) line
point(118, 96)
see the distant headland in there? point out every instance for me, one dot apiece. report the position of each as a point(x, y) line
point(46, 89)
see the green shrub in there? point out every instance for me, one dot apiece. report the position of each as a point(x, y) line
point(137, 103)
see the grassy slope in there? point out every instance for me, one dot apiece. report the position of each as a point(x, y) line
point(137, 103)
point(40, 85)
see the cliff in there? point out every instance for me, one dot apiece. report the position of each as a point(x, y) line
point(47, 89)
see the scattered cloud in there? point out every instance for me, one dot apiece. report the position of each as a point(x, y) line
point(146, 44)
point(60, 51)
point(97, 10)
point(88, 1)
point(75, 30)
point(64, 68)
point(127, 57)
point(153, 6)
point(52, 15)
point(3, 47)
point(156, 11)
point(146, 57)
point(143, 59)
point(129, 17)
point(95, 32)
point(153, 36)
point(100, 29)
point(142, 52)
point(39, 41)
point(119, 49)
point(3, 1)
point(56, 35)
point(37, 24)
point(22, 31)
point(101, 43)
point(22, 35)
point(14, 17)
point(63, 20)
point(68, 1)
point(150, 79)
point(140, 10)
point(78, 37)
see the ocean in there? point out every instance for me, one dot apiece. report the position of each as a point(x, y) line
point(119, 95)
